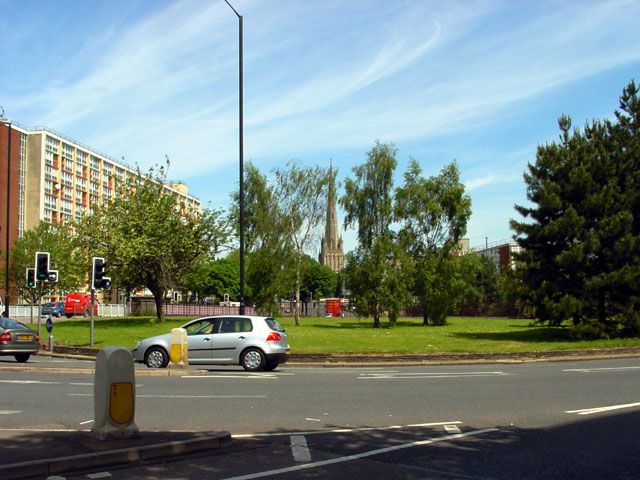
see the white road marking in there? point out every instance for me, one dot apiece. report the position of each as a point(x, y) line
point(452, 428)
point(300, 449)
point(421, 375)
point(597, 370)
point(347, 430)
point(590, 411)
point(9, 412)
point(313, 419)
point(176, 396)
point(82, 384)
point(30, 382)
point(99, 475)
point(56, 477)
point(40, 430)
point(244, 377)
point(88, 421)
point(358, 456)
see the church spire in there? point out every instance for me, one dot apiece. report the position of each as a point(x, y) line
point(331, 253)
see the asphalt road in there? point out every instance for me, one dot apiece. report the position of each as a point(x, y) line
point(534, 420)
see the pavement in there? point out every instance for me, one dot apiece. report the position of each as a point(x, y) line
point(44, 453)
point(40, 454)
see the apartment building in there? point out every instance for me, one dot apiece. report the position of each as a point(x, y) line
point(501, 253)
point(57, 179)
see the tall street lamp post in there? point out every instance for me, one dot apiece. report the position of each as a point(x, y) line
point(7, 123)
point(241, 195)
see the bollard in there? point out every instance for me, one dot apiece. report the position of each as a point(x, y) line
point(114, 394)
point(178, 348)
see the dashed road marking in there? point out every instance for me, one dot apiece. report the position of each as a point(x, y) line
point(348, 430)
point(9, 412)
point(300, 449)
point(428, 375)
point(359, 456)
point(176, 396)
point(452, 428)
point(599, 370)
point(99, 475)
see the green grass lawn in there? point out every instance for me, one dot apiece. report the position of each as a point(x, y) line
point(352, 335)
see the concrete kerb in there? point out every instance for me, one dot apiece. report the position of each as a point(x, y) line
point(122, 456)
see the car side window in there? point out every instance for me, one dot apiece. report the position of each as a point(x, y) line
point(203, 327)
point(235, 325)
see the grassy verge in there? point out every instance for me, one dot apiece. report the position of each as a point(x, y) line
point(352, 335)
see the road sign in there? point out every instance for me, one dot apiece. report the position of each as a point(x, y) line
point(49, 325)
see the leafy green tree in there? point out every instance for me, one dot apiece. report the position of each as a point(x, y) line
point(581, 236)
point(64, 256)
point(301, 194)
point(319, 280)
point(433, 213)
point(149, 237)
point(481, 277)
point(374, 272)
point(267, 259)
point(378, 279)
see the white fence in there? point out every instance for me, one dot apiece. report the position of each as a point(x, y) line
point(24, 311)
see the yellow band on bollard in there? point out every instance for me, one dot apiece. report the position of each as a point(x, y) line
point(121, 402)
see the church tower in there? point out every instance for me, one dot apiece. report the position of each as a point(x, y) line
point(331, 252)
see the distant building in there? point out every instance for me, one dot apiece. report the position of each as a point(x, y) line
point(56, 179)
point(500, 253)
point(331, 247)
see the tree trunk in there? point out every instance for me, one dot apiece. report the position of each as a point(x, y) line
point(296, 307)
point(158, 298)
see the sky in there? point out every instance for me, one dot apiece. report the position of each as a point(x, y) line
point(479, 82)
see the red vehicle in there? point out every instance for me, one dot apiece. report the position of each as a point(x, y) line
point(334, 307)
point(79, 304)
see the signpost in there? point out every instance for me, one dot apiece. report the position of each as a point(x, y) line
point(49, 326)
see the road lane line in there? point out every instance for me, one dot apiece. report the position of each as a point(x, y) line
point(88, 421)
point(9, 412)
point(347, 430)
point(300, 449)
point(359, 456)
point(590, 411)
point(244, 377)
point(176, 396)
point(452, 428)
point(597, 370)
point(30, 382)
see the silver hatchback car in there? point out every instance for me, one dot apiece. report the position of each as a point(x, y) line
point(256, 343)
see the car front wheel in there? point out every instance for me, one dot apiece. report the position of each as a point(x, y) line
point(156, 357)
point(252, 360)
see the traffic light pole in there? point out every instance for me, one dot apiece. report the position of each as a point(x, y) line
point(91, 318)
point(33, 293)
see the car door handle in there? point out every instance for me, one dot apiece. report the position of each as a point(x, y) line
point(241, 337)
point(206, 339)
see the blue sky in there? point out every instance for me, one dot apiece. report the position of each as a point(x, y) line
point(479, 82)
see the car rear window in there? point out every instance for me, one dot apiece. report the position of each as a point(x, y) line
point(274, 325)
point(9, 324)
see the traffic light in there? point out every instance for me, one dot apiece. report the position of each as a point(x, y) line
point(31, 277)
point(98, 280)
point(53, 276)
point(42, 265)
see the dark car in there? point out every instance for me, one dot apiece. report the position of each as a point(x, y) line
point(17, 339)
point(55, 309)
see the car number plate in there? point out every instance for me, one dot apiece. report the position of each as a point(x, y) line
point(25, 337)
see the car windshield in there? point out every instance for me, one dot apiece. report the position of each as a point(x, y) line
point(9, 324)
point(274, 325)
